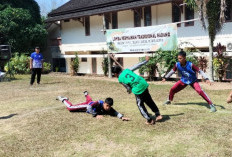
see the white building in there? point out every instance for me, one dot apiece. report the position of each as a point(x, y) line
point(82, 23)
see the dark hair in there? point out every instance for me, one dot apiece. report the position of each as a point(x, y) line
point(116, 69)
point(109, 101)
point(182, 53)
point(37, 47)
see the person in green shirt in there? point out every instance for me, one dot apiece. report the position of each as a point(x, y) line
point(137, 85)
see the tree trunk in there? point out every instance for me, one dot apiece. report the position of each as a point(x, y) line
point(109, 66)
point(211, 60)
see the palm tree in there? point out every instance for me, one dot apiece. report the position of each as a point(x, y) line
point(214, 12)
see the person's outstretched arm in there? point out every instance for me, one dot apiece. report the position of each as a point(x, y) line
point(196, 69)
point(113, 112)
point(137, 66)
point(170, 73)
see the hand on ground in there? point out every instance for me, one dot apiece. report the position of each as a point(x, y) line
point(125, 119)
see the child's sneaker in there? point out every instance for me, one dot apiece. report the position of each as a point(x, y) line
point(85, 92)
point(61, 98)
point(212, 108)
point(168, 102)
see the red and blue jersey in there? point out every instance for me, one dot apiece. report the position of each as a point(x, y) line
point(96, 108)
point(188, 74)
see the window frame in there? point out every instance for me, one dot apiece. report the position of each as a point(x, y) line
point(147, 11)
point(137, 17)
point(114, 19)
point(186, 24)
point(87, 26)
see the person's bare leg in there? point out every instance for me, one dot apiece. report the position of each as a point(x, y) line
point(229, 99)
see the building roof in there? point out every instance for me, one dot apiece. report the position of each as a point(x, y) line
point(81, 8)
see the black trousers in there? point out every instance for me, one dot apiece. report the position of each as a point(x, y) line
point(36, 71)
point(145, 97)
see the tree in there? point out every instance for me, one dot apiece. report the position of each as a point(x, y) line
point(19, 29)
point(214, 12)
point(30, 5)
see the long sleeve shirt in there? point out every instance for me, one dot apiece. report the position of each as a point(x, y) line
point(96, 108)
point(188, 73)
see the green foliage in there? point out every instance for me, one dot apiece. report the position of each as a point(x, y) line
point(18, 29)
point(213, 12)
point(151, 67)
point(19, 64)
point(163, 61)
point(75, 64)
point(46, 67)
point(105, 63)
point(202, 63)
point(220, 62)
point(30, 5)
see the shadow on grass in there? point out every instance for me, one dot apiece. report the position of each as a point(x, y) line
point(9, 116)
point(200, 104)
point(167, 117)
point(53, 82)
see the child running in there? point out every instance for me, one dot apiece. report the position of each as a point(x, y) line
point(139, 87)
point(96, 108)
point(188, 77)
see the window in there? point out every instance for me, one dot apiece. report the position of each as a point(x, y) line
point(228, 13)
point(83, 59)
point(176, 13)
point(147, 16)
point(137, 17)
point(107, 20)
point(189, 14)
point(114, 20)
point(87, 26)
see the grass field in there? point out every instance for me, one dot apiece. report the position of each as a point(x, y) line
point(33, 123)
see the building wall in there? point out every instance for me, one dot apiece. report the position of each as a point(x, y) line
point(73, 32)
point(85, 67)
point(74, 39)
point(129, 62)
point(161, 14)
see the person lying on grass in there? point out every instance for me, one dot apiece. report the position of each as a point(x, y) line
point(96, 108)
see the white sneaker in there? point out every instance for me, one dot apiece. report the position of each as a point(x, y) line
point(85, 93)
point(167, 102)
point(61, 98)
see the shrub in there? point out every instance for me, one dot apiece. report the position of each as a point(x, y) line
point(220, 62)
point(75, 64)
point(163, 61)
point(19, 64)
point(46, 67)
point(105, 63)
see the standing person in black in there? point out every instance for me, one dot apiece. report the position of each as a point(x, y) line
point(36, 65)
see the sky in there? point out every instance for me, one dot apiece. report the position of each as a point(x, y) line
point(47, 5)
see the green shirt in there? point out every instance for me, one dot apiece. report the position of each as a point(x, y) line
point(136, 82)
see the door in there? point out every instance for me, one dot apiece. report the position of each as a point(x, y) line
point(94, 66)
